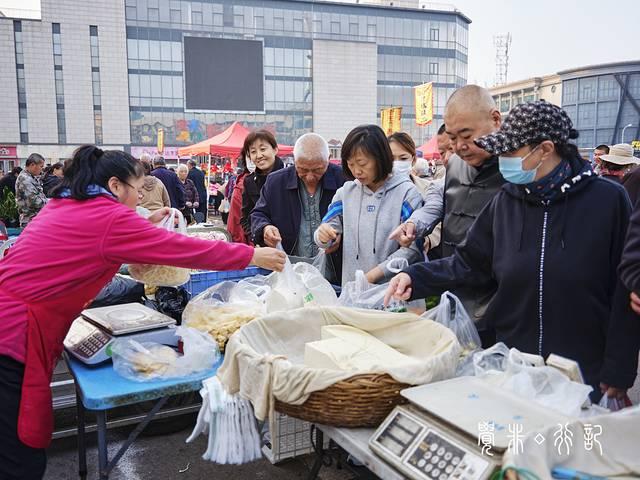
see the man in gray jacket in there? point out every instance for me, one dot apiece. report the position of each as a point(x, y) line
point(472, 180)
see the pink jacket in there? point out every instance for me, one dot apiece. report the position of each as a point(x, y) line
point(72, 242)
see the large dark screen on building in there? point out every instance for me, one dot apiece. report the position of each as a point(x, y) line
point(222, 74)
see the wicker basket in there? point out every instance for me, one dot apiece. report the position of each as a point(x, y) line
point(359, 401)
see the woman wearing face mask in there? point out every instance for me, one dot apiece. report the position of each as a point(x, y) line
point(365, 210)
point(92, 227)
point(405, 161)
point(549, 244)
point(263, 152)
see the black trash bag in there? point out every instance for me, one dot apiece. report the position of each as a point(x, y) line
point(171, 301)
point(118, 291)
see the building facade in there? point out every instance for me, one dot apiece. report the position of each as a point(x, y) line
point(603, 101)
point(113, 72)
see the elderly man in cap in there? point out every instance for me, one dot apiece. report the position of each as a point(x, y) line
point(294, 200)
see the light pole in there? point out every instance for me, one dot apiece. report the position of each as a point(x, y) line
point(622, 134)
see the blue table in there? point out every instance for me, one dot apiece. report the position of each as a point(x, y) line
point(99, 388)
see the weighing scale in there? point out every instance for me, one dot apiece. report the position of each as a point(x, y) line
point(436, 436)
point(91, 335)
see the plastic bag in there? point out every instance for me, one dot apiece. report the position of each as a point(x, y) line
point(317, 290)
point(118, 291)
point(225, 307)
point(172, 301)
point(147, 361)
point(361, 294)
point(614, 404)
point(510, 370)
point(164, 275)
point(451, 313)
point(286, 292)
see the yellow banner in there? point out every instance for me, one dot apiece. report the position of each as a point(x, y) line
point(160, 141)
point(390, 120)
point(424, 103)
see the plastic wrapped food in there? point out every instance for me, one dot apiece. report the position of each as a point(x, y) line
point(164, 275)
point(225, 307)
point(212, 235)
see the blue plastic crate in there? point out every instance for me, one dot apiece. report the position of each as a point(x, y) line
point(200, 281)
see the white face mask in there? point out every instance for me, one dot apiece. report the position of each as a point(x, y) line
point(401, 167)
point(250, 165)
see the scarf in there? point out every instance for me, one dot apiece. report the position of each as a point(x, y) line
point(548, 187)
point(92, 190)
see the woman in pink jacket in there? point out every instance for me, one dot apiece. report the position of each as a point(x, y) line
point(92, 227)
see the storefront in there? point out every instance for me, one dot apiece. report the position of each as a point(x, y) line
point(8, 157)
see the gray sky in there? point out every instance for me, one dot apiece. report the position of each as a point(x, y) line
point(550, 35)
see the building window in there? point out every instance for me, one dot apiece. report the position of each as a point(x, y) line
point(59, 81)
point(353, 29)
point(335, 27)
point(608, 88)
point(434, 35)
point(278, 24)
point(227, 15)
point(154, 14)
point(175, 16)
point(95, 84)
point(433, 68)
point(259, 22)
point(569, 92)
point(22, 90)
point(587, 89)
point(298, 25)
point(371, 30)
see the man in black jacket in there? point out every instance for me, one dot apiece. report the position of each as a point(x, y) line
point(170, 181)
point(294, 200)
point(472, 180)
point(197, 177)
point(9, 180)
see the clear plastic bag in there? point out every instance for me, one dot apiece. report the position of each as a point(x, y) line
point(164, 275)
point(147, 361)
point(318, 291)
point(225, 307)
point(361, 294)
point(614, 404)
point(451, 313)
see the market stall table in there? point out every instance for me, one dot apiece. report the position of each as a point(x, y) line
point(355, 441)
point(100, 388)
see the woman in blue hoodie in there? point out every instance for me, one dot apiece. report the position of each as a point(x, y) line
point(366, 209)
point(548, 244)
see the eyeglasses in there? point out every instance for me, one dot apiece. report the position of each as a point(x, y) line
point(140, 192)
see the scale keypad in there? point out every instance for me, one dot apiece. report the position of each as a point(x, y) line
point(439, 459)
point(92, 345)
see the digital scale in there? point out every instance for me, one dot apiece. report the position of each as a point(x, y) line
point(91, 335)
point(436, 436)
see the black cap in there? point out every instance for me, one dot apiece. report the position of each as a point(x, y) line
point(527, 124)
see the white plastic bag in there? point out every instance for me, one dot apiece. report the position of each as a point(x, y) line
point(611, 403)
point(286, 292)
point(147, 361)
point(317, 290)
point(164, 275)
point(451, 313)
point(510, 370)
point(361, 294)
point(224, 308)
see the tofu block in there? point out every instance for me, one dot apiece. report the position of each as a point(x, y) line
point(352, 350)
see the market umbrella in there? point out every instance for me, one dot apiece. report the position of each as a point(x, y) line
point(430, 149)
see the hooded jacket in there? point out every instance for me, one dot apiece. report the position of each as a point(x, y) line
point(366, 219)
point(552, 266)
point(253, 184)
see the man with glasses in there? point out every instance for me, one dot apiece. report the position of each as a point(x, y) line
point(294, 200)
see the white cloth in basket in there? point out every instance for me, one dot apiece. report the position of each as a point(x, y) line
point(264, 359)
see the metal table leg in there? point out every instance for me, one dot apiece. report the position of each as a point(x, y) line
point(101, 420)
point(82, 447)
point(319, 447)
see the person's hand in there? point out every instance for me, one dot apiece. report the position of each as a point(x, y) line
point(269, 258)
point(399, 288)
point(159, 215)
point(189, 204)
point(374, 275)
point(405, 234)
point(196, 204)
point(334, 246)
point(635, 303)
point(272, 236)
point(613, 392)
point(326, 233)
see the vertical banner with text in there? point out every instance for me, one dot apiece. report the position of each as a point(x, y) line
point(424, 103)
point(160, 141)
point(390, 120)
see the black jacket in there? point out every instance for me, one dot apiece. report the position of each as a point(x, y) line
point(253, 184)
point(173, 184)
point(467, 190)
point(49, 182)
point(197, 177)
point(8, 181)
point(553, 270)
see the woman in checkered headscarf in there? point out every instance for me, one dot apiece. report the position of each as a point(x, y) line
point(548, 244)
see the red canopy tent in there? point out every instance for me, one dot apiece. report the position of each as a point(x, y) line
point(430, 149)
point(228, 143)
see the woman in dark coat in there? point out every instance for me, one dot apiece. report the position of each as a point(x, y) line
point(548, 245)
point(191, 197)
point(51, 178)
